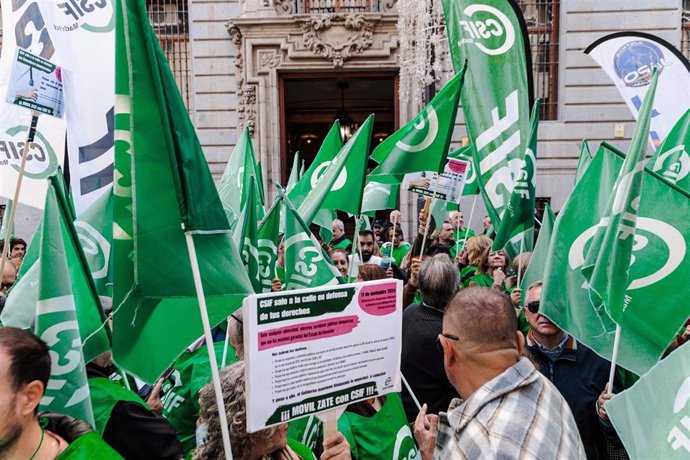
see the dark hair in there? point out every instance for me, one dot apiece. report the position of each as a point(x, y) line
point(29, 358)
point(367, 233)
point(371, 272)
point(16, 241)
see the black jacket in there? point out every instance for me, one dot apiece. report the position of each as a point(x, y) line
point(580, 375)
point(422, 361)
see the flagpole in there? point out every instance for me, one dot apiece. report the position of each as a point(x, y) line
point(614, 358)
point(209, 345)
point(457, 241)
point(426, 227)
point(522, 249)
point(15, 201)
point(225, 345)
point(355, 246)
point(474, 202)
point(409, 390)
point(434, 192)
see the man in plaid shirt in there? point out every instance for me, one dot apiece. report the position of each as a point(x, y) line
point(510, 410)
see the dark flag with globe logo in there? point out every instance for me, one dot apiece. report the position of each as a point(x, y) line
point(497, 96)
point(628, 58)
point(655, 307)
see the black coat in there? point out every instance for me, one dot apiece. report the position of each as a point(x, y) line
point(580, 375)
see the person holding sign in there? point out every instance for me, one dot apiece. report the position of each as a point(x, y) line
point(270, 443)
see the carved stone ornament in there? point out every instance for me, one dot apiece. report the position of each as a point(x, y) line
point(246, 110)
point(284, 6)
point(338, 36)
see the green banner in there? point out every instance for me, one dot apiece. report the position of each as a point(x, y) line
point(653, 417)
point(490, 36)
point(672, 160)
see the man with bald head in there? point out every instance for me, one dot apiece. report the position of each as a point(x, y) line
point(508, 408)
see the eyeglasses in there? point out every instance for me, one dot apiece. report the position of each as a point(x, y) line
point(533, 306)
point(448, 336)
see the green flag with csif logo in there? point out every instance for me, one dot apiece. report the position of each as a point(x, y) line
point(267, 239)
point(490, 36)
point(518, 218)
point(245, 236)
point(672, 160)
point(652, 418)
point(659, 266)
point(234, 184)
point(422, 144)
point(305, 263)
point(608, 259)
point(163, 190)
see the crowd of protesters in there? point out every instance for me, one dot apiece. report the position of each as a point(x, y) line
point(494, 377)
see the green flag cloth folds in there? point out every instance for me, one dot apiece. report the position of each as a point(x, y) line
point(490, 36)
point(607, 262)
point(162, 188)
point(518, 218)
point(659, 267)
point(537, 262)
point(652, 418)
point(672, 160)
point(422, 144)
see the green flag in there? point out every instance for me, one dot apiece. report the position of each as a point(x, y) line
point(672, 160)
point(535, 269)
point(584, 160)
point(342, 183)
point(653, 417)
point(95, 229)
point(331, 145)
point(234, 184)
point(6, 223)
point(245, 237)
point(659, 267)
point(268, 237)
point(491, 37)
point(162, 187)
point(294, 173)
point(305, 263)
point(607, 263)
point(379, 196)
point(518, 219)
point(422, 144)
point(60, 253)
point(64, 315)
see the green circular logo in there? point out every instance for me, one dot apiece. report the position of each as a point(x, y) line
point(41, 160)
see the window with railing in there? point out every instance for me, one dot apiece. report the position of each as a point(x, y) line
point(170, 21)
point(685, 29)
point(337, 6)
point(542, 17)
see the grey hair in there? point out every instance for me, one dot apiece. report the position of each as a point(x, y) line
point(438, 281)
point(339, 223)
point(534, 285)
point(233, 384)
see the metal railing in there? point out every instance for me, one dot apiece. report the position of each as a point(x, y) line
point(542, 18)
point(336, 6)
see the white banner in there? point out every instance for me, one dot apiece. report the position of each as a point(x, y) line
point(83, 33)
point(312, 350)
point(628, 58)
point(24, 27)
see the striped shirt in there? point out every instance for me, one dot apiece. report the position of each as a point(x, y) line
point(518, 414)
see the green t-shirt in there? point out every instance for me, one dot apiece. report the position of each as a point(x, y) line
point(89, 446)
point(105, 394)
point(482, 279)
point(181, 389)
point(459, 236)
point(466, 275)
point(385, 435)
point(400, 252)
point(344, 244)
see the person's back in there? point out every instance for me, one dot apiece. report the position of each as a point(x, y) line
point(519, 414)
point(510, 410)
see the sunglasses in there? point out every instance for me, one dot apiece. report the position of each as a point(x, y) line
point(448, 336)
point(533, 306)
point(236, 318)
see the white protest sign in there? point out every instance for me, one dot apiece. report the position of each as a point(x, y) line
point(311, 350)
point(36, 84)
point(448, 186)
